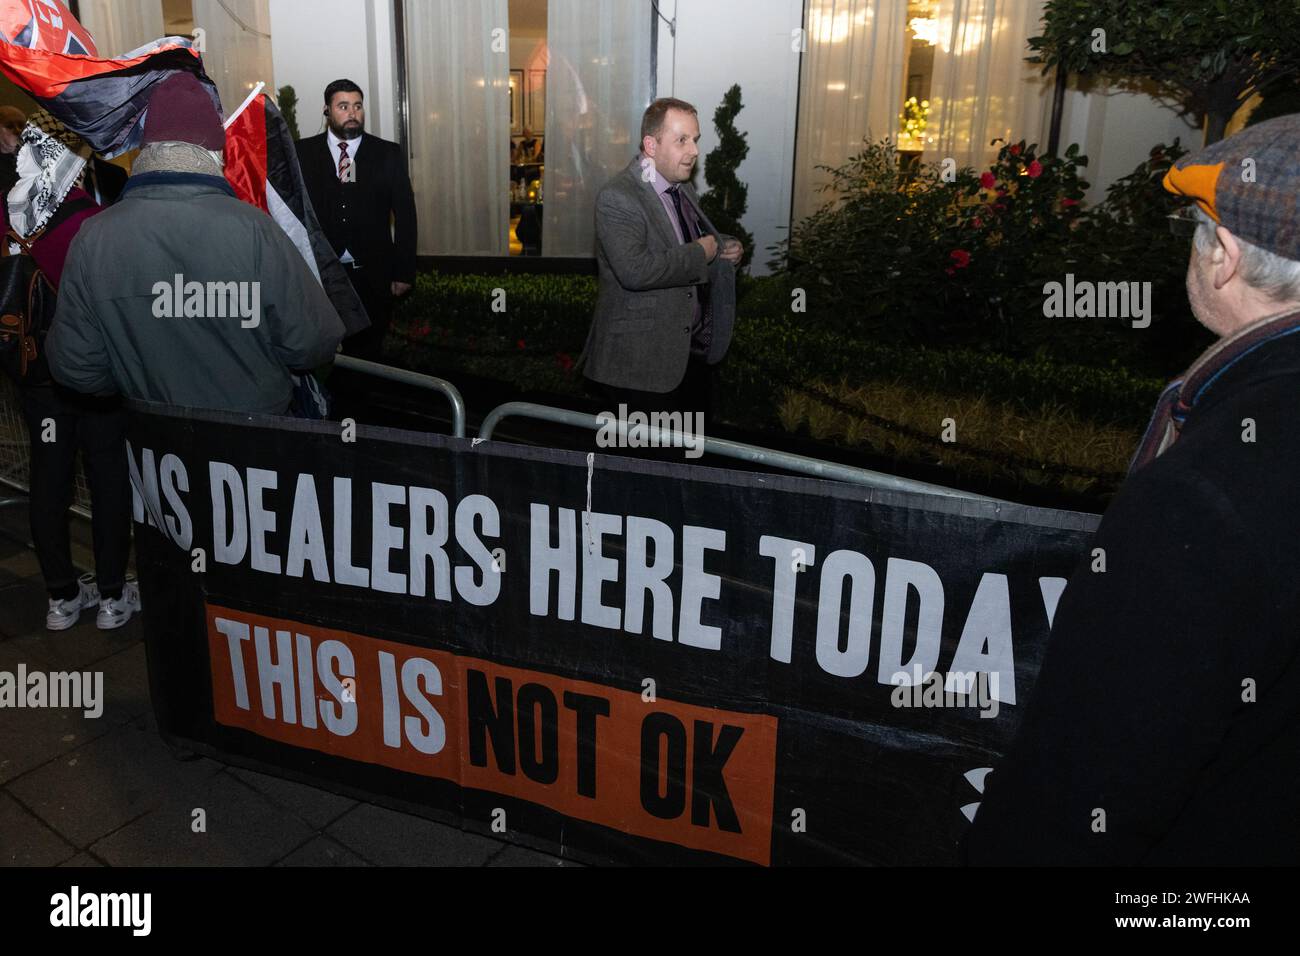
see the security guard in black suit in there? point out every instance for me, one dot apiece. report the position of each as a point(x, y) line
point(361, 190)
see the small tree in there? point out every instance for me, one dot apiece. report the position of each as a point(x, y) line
point(288, 103)
point(726, 200)
point(1208, 55)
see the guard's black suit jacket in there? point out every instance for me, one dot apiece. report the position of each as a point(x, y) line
point(357, 216)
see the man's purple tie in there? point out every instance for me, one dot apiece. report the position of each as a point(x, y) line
point(702, 336)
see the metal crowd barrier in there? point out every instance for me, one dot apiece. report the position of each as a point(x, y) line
point(15, 449)
point(15, 461)
point(417, 379)
point(785, 461)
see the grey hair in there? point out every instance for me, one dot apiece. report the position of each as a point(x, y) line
point(1268, 273)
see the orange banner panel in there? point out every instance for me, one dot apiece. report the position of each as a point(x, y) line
point(694, 776)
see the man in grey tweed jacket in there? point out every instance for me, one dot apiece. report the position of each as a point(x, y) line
point(667, 299)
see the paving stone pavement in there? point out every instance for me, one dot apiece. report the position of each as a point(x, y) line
point(79, 791)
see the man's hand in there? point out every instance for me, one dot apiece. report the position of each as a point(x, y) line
point(710, 245)
point(400, 289)
point(733, 250)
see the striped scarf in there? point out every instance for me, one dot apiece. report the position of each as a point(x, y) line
point(1181, 395)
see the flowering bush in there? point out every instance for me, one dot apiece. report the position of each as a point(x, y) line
point(874, 254)
point(960, 257)
point(1015, 223)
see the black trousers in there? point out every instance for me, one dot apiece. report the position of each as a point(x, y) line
point(96, 427)
point(376, 293)
point(694, 394)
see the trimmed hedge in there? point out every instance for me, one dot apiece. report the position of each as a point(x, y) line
point(553, 311)
point(774, 348)
point(449, 324)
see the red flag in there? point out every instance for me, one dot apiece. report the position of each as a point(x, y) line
point(44, 25)
point(49, 54)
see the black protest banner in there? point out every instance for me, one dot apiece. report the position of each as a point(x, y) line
point(635, 661)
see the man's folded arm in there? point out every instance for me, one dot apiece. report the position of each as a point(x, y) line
point(621, 229)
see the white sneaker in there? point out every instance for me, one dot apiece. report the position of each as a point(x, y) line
point(113, 613)
point(63, 614)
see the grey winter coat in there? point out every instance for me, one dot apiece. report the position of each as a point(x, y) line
point(131, 318)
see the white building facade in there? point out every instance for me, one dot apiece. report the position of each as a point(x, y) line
point(459, 82)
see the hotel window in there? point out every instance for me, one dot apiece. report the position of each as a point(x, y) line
point(520, 110)
point(941, 78)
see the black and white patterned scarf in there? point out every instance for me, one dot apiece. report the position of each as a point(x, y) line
point(47, 171)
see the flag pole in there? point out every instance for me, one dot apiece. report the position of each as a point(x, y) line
point(244, 105)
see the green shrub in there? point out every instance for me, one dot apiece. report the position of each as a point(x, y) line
point(447, 325)
point(960, 258)
point(770, 352)
point(870, 256)
point(546, 312)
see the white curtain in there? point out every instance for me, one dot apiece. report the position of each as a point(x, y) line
point(120, 26)
point(982, 87)
point(459, 74)
point(597, 88)
point(851, 88)
point(237, 46)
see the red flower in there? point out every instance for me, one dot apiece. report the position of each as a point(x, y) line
point(1069, 203)
point(521, 345)
point(564, 360)
point(988, 180)
point(1014, 150)
point(1035, 169)
point(977, 222)
point(960, 257)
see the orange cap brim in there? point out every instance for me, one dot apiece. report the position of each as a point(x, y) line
point(1196, 182)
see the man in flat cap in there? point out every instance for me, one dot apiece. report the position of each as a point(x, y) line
point(1165, 724)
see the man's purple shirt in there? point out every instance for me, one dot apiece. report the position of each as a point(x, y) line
point(662, 186)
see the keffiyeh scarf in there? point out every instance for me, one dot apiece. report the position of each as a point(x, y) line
point(47, 171)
